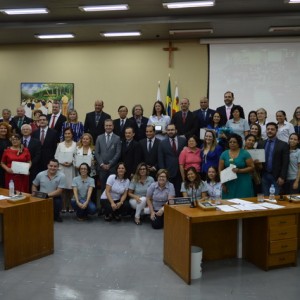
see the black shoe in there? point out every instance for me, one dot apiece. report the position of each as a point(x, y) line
point(108, 218)
point(117, 218)
point(58, 219)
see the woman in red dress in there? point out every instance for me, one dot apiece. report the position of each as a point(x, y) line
point(18, 153)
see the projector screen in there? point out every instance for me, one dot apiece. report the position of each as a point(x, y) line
point(260, 75)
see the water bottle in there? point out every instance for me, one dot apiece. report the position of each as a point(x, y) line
point(11, 187)
point(272, 193)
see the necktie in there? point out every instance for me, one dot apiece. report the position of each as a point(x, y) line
point(203, 114)
point(43, 136)
point(149, 145)
point(183, 117)
point(174, 145)
point(107, 139)
point(25, 143)
point(228, 110)
point(20, 122)
point(127, 144)
point(53, 121)
point(122, 124)
point(97, 119)
point(268, 155)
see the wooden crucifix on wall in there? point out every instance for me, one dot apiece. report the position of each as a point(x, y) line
point(170, 49)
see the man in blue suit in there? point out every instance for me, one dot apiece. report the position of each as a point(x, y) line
point(168, 156)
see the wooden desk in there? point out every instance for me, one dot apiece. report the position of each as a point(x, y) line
point(27, 230)
point(216, 233)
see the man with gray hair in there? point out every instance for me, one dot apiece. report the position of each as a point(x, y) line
point(21, 119)
point(34, 146)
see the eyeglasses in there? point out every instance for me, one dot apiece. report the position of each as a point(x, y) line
point(143, 169)
point(15, 139)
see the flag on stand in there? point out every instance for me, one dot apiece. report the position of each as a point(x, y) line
point(158, 97)
point(169, 100)
point(175, 103)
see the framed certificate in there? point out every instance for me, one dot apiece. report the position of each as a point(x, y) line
point(20, 167)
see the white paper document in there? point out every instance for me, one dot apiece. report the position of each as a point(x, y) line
point(79, 159)
point(258, 154)
point(20, 167)
point(227, 174)
point(271, 205)
point(4, 197)
point(65, 157)
point(202, 133)
point(226, 208)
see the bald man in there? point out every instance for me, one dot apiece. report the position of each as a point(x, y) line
point(94, 121)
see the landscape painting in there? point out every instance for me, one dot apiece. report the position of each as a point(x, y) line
point(35, 95)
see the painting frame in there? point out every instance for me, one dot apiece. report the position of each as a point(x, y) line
point(41, 95)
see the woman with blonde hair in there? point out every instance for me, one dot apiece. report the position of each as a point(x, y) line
point(296, 120)
point(210, 152)
point(138, 189)
point(72, 122)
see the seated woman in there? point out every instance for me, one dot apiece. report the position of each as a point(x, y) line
point(113, 199)
point(241, 187)
point(158, 195)
point(213, 184)
point(193, 186)
point(138, 190)
point(83, 186)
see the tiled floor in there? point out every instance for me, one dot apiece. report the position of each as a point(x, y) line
point(99, 260)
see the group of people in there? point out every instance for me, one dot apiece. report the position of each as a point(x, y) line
point(139, 163)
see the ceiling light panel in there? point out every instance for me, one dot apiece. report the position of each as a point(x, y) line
point(190, 4)
point(104, 7)
point(120, 34)
point(25, 11)
point(55, 36)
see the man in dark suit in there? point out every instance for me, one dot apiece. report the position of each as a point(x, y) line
point(34, 146)
point(184, 120)
point(122, 123)
point(149, 148)
point(204, 114)
point(168, 156)
point(277, 160)
point(21, 119)
point(94, 121)
point(139, 122)
point(48, 139)
point(107, 152)
point(56, 119)
point(131, 152)
point(225, 110)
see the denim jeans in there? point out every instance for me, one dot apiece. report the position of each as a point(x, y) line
point(91, 208)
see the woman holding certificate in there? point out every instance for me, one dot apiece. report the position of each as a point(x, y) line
point(64, 154)
point(243, 166)
point(10, 162)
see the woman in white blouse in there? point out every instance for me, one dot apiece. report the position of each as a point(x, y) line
point(65, 154)
point(285, 129)
point(159, 120)
point(114, 198)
